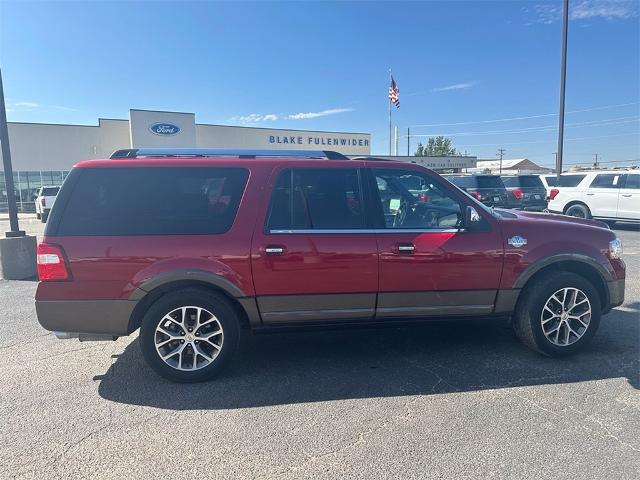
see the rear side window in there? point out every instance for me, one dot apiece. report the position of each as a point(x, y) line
point(462, 182)
point(316, 199)
point(489, 181)
point(153, 201)
point(524, 181)
point(565, 180)
point(49, 191)
point(606, 180)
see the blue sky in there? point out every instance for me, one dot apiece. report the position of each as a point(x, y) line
point(324, 65)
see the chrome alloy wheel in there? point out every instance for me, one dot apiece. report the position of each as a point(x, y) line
point(566, 316)
point(189, 338)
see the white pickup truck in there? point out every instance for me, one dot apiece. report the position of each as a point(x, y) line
point(44, 201)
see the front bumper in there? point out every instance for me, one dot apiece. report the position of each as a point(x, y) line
point(109, 317)
point(616, 293)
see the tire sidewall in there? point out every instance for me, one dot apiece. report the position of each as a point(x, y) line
point(213, 302)
point(538, 300)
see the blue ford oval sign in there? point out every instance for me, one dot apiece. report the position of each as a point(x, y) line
point(164, 128)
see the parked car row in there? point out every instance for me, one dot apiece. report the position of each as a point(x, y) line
point(609, 196)
point(522, 192)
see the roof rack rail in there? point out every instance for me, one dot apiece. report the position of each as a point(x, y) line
point(224, 152)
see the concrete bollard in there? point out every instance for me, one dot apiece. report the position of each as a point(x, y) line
point(18, 258)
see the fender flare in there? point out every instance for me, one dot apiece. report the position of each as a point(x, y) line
point(171, 276)
point(535, 267)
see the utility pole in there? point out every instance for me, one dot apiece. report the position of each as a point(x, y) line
point(408, 142)
point(8, 170)
point(563, 80)
point(501, 153)
point(595, 160)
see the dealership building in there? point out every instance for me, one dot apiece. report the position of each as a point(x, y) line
point(42, 154)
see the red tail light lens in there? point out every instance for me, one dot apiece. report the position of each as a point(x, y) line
point(553, 193)
point(517, 193)
point(475, 195)
point(423, 197)
point(52, 264)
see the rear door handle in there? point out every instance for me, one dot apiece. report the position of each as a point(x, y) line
point(274, 250)
point(406, 248)
point(626, 194)
point(590, 194)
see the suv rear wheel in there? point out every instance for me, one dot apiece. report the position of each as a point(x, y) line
point(558, 314)
point(579, 210)
point(189, 335)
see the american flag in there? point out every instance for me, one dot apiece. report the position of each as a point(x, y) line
point(394, 93)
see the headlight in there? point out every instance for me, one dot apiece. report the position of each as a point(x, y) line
point(615, 248)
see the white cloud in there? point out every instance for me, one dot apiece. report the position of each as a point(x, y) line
point(586, 9)
point(455, 86)
point(32, 105)
point(272, 117)
point(323, 113)
point(255, 118)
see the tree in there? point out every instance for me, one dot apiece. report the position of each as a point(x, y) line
point(436, 146)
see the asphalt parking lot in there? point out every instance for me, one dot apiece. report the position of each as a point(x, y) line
point(456, 400)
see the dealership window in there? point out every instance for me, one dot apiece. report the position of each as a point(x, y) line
point(316, 199)
point(26, 185)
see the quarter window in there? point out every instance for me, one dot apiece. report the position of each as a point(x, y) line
point(411, 200)
point(318, 199)
point(153, 201)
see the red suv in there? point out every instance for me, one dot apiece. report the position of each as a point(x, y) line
point(192, 246)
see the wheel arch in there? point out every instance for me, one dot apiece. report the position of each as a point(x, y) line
point(155, 288)
point(584, 266)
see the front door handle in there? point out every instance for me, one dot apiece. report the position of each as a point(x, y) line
point(626, 194)
point(406, 248)
point(590, 194)
point(274, 250)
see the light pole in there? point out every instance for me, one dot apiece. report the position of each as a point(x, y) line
point(8, 171)
point(563, 79)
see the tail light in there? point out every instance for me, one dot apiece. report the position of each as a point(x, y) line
point(43, 202)
point(553, 193)
point(517, 193)
point(52, 263)
point(475, 194)
point(423, 197)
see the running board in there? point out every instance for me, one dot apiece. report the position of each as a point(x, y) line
point(86, 337)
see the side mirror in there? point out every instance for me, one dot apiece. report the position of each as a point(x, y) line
point(471, 217)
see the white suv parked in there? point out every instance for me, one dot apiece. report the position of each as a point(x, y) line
point(605, 195)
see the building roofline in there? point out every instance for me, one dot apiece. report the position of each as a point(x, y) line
point(159, 111)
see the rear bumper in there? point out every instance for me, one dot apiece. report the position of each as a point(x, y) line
point(86, 316)
point(616, 293)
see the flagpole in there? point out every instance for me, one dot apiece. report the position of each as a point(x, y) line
point(390, 77)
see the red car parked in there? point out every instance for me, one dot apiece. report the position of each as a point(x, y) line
point(191, 246)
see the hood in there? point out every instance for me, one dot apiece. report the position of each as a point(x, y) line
point(552, 217)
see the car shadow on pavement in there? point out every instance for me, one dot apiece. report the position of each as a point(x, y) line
point(430, 359)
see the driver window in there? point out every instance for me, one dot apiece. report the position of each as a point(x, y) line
point(410, 199)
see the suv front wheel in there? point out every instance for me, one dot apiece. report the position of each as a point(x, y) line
point(558, 314)
point(189, 335)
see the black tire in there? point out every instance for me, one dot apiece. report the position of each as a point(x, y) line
point(215, 303)
point(579, 210)
point(44, 216)
point(610, 223)
point(527, 321)
point(38, 215)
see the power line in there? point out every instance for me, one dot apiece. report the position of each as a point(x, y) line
point(593, 123)
point(510, 119)
point(635, 134)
